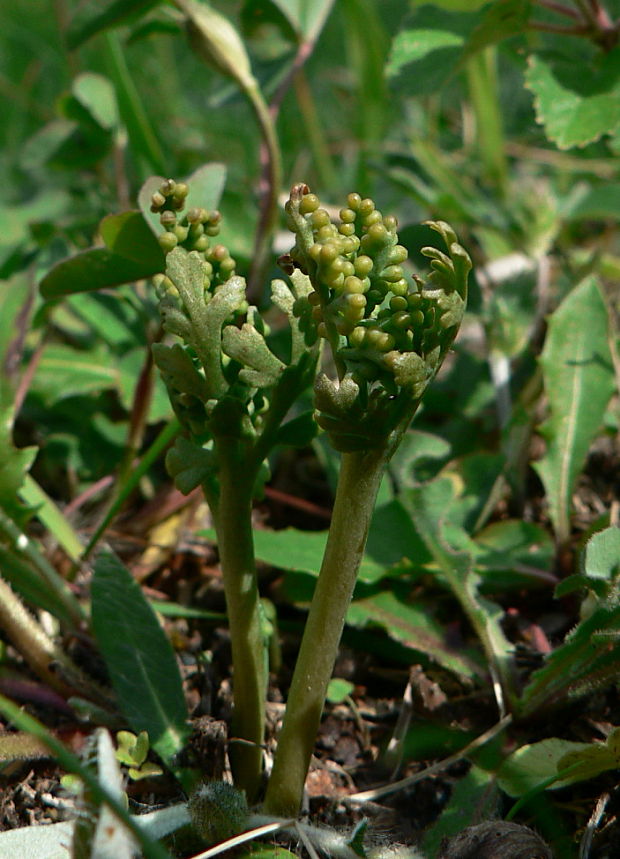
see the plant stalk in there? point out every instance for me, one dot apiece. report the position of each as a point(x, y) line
point(271, 180)
point(483, 92)
point(233, 525)
point(358, 484)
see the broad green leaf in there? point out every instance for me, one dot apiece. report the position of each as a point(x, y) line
point(534, 764)
point(501, 19)
point(96, 94)
point(139, 658)
point(46, 207)
point(600, 567)
point(595, 759)
point(97, 268)
point(602, 555)
point(579, 380)
point(514, 554)
point(337, 689)
point(576, 104)
point(64, 372)
point(300, 551)
point(412, 45)
point(94, 16)
point(601, 203)
point(412, 626)
point(129, 236)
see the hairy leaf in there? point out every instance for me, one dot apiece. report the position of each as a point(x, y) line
point(579, 381)
point(139, 657)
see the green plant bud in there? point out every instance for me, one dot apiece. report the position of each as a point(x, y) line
point(373, 218)
point(181, 232)
point(335, 280)
point(167, 187)
point(181, 191)
point(376, 238)
point(347, 268)
point(227, 266)
point(414, 300)
point(374, 297)
point(346, 229)
point(401, 287)
point(347, 216)
point(350, 244)
point(353, 201)
point(353, 284)
point(309, 203)
point(157, 201)
point(363, 265)
point(196, 215)
point(167, 219)
point(320, 218)
point(417, 319)
point(314, 299)
point(365, 207)
point(398, 302)
point(324, 234)
point(218, 811)
point(215, 39)
point(390, 223)
point(315, 251)
point(401, 319)
point(212, 230)
point(392, 273)
point(357, 336)
point(329, 253)
point(397, 254)
point(168, 241)
point(219, 253)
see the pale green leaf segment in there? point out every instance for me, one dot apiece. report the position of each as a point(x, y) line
point(388, 335)
point(579, 381)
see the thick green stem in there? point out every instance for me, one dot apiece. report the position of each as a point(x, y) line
point(233, 523)
point(358, 484)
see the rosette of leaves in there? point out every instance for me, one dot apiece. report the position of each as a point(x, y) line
point(388, 332)
point(222, 378)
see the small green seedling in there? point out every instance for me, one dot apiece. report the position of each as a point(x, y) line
point(132, 751)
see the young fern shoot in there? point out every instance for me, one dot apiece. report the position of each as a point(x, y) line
point(387, 336)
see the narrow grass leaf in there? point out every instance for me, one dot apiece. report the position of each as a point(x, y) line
point(139, 657)
point(579, 381)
